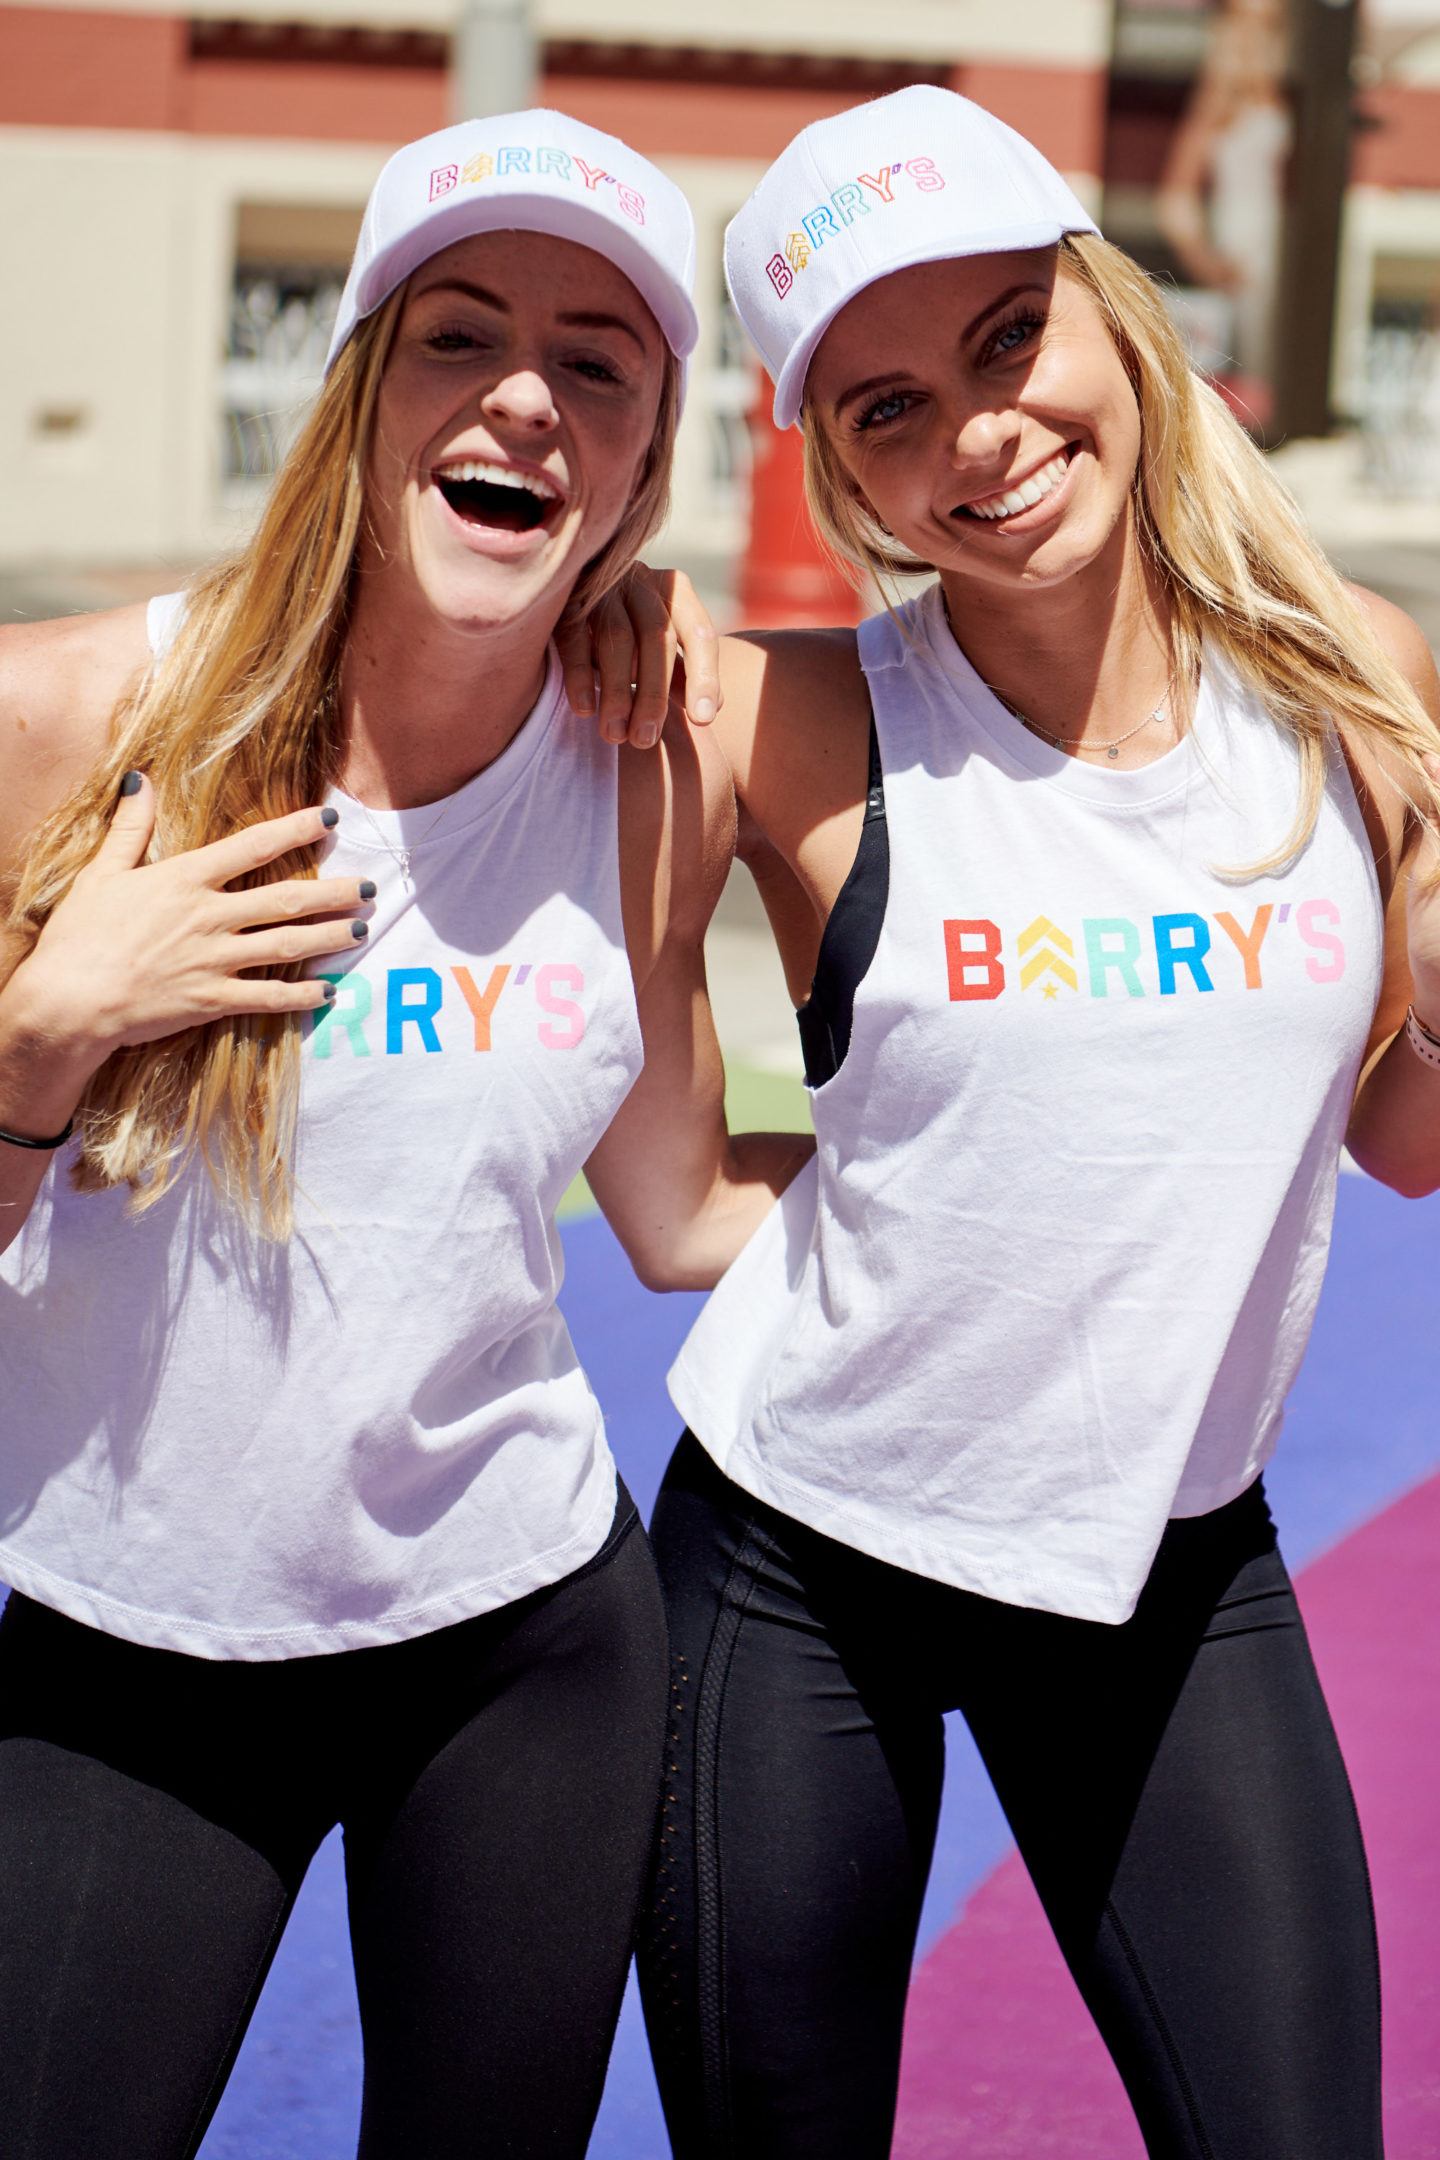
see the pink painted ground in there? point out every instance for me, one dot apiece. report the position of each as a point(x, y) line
point(1001, 2062)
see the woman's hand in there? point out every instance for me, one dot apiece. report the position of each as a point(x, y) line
point(633, 639)
point(136, 951)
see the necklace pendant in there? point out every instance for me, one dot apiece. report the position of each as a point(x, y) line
point(404, 857)
point(1113, 751)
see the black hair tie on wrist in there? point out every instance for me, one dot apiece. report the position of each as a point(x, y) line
point(15, 1139)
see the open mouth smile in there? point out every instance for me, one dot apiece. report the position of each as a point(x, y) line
point(500, 497)
point(1012, 502)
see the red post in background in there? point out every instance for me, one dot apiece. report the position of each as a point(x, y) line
point(786, 579)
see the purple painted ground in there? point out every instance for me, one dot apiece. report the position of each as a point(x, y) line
point(1001, 2061)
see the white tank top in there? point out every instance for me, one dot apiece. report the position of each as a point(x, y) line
point(1051, 1278)
point(255, 1451)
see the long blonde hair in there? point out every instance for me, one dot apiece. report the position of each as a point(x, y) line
point(239, 722)
point(1230, 548)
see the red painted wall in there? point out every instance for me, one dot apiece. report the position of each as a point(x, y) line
point(664, 119)
point(314, 100)
point(1061, 109)
point(1404, 151)
point(71, 68)
point(67, 68)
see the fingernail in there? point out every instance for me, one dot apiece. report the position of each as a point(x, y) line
point(368, 888)
point(330, 989)
point(703, 709)
point(647, 735)
point(359, 929)
point(130, 785)
point(583, 703)
point(330, 818)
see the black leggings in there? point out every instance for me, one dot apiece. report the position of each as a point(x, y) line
point(497, 1782)
point(1174, 1786)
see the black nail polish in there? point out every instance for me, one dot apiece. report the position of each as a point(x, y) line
point(368, 888)
point(330, 818)
point(130, 785)
point(359, 929)
point(330, 989)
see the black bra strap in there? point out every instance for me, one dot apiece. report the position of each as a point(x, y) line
point(850, 939)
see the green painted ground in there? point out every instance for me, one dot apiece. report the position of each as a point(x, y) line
point(754, 1102)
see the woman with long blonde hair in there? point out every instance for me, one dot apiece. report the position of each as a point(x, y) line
point(331, 948)
point(1112, 854)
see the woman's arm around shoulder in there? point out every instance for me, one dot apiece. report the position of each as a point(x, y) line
point(789, 710)
point(1394, 1130)
point(795, 729)
point(682, 1195)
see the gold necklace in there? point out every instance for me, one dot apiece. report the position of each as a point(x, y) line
point(1082, 742)
point(1112, 748)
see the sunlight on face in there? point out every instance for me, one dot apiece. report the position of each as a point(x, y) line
point(981, 411)
point(515, 411)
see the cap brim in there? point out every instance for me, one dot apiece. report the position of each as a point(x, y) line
point(543, 212)
point(790, 383)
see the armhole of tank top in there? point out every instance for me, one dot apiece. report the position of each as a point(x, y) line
point(850, 939)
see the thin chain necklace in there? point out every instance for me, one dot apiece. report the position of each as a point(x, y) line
point(1083, 742)
point(402, 855)
point(1112, 748)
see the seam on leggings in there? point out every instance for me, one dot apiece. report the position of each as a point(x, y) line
point(709, 1924)
point(1167, 2038)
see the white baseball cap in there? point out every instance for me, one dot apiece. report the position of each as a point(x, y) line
point(526, 172)
point(920, 176)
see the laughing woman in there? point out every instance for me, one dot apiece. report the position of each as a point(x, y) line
point(1110, 833)
point(330, 945)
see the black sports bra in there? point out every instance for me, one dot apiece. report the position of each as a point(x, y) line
point(850, 938)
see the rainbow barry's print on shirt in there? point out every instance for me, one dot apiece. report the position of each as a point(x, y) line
point(426, 1009)
point(1165, 955)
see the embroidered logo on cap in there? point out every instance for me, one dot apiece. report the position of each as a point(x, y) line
point(854, 198)
point(548, 163)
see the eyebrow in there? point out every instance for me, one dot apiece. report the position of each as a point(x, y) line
point(991, 307)
point(573, 319)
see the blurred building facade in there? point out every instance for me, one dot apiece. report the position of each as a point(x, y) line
point(181, 190)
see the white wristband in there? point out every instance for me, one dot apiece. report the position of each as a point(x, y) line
point(1421, 1041)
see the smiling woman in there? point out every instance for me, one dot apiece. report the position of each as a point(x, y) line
point(1082, 858)
point(547, 324)
point(332, 951)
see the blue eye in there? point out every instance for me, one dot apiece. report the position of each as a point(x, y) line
point(1013, 335)
point(882, 410)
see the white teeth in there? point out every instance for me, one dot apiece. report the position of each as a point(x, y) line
point(1029, 492)
point(499, 476)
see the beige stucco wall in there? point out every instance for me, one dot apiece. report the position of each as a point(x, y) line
point(1395, 222)
point(122, 247)
point(1063, 32)
point(116, 252)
